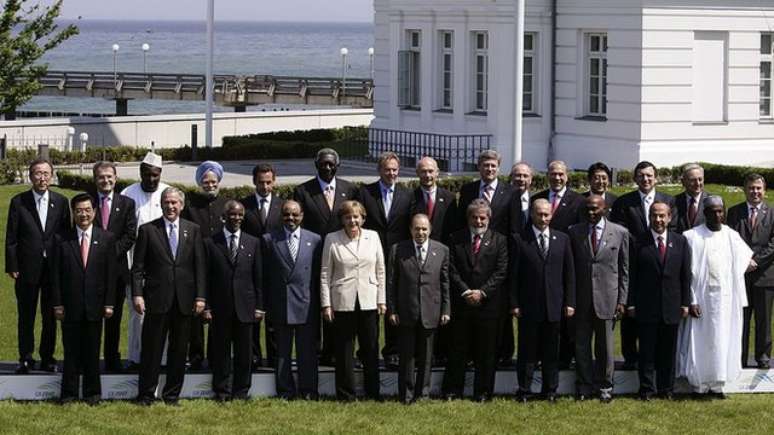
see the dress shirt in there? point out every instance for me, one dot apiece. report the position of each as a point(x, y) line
point(388, 193)
point(482, 185)
point(657, 235)
point(430, 193)
point(651, 196)
point(560, 194)
point(324, 185)
point(546, 233)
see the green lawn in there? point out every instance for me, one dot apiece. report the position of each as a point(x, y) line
point(739, 414)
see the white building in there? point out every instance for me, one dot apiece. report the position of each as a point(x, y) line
point(620, 81)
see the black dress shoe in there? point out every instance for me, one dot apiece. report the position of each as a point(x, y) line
point(666, 395)
point(523, 396)
point(144, 401)
point(763, 365)
point(114, 367)
point(93, 400)
point(49, 366)
point(24, 367)
point(646, 397)
point(605, 397)
point(67, 400)
point(172, 402)
point(551, 398)
point(581, 397)
point(717, 395)
point(195, 364)
point(132, 367)
point(391, 362)
point(482, 398)
point(450, 396)
point(629, 365)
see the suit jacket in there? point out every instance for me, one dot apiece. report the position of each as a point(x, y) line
point(445, 215)
point(485, 271)
point(318, 218)
point(681, 218)
point(351, 271)
point(418, 292)
point(658, 289)
point(760, 239)
point(252, 223)
point(292, 288)
point(123, 224)
point(601, 279)
point(501, 205)
point(393, 228)
point(161, 278)
point(205, 212)
point(569, 211)
point(627, 211)
point(234, 286)
point(520, 220)
point(26, 243)
point(543, 286)
point(609, 201)
point(84, 293)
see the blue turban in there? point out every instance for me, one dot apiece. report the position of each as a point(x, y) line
point(209, 166)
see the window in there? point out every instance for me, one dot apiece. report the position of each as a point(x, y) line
point(528, 93)
point(480, 71)
point(767, 61)
point(596, 71)
point(408, 71)
point(446, 70)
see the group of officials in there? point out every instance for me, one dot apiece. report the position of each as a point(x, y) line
point(446, 275)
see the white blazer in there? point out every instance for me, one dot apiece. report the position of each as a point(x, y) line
point(352, 270)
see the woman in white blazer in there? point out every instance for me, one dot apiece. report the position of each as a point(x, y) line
point(352, 296)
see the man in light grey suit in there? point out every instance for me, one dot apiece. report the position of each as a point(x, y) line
point(601, 252)
point(417, 303)
point(292, 292)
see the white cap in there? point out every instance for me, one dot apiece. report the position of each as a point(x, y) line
point(152, 159)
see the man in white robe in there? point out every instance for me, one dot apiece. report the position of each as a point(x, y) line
point(147, 198)
point(709, 346)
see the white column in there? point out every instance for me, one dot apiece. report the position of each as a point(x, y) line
point(208, 83)
point(518, 122)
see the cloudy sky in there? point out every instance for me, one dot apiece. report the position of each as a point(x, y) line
point(241, 10)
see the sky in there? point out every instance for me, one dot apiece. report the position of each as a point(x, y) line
point(231, 10)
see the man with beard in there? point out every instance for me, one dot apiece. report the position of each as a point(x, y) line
point(147, 199)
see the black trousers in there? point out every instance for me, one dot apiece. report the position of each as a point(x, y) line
point(305, 338)
point(658, 348)
point(196, 340)
point(81, 341)
point(469, 332)
point(505, 346)
point(364, 325)
point(113, 325)
point(391, 338)
point(27, 295)
point(415, 345)
point(566, 341)
point(156, 329)
point(441, 343)
point(759, 304)
point(228, 334)
point(271, 343)
point(538, 341)
point(629, 339)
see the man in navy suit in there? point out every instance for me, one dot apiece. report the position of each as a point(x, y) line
point(234, 274)
point(83, 292)
point(690, 203)
point(34, 218)
point(600, 178)
point(543, 293)
point(631, 211)
point(292, 255)
point(659, 299)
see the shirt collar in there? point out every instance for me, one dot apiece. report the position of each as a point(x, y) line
point(101, 195)
point(650, 195)
point(228, 234)
point(424, 245)
point(258, 198)
point(537, 232)
point(385, 187)
point(429, 191)
point(167, 222)
point(88, 231)
point(323, 184)
point(559, 193)
point(493, 184)
point(296, 232)
point(37, 195)
point(688, 198)
point(525, 196)
point(600, 226)
point(757, 207)
point(657, 235)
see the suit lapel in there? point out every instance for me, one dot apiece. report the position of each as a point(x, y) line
point(29, 201)
point(376, 192)
point(220, 241)
point(50, 213)
point(161, 228)
point(76, 247)
point(319, 199)
point(281, 244)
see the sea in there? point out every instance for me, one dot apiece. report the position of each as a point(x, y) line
point(241, 48)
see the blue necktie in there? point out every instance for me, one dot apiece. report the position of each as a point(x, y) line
point(173, 240)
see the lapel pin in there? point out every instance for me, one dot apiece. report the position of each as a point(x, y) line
point(308, 244)
point(241, 246)
point(51, 205)
point(440, 200)
point(433, 253)
point(343, 195)
point(95, 243)
point(118, 209)
point(553, 237)
point(670, 244)
point(564, 204)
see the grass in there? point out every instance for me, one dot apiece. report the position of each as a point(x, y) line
point(740, 414)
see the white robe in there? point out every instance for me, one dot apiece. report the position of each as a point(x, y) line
point(710, 347)
point(147, 209)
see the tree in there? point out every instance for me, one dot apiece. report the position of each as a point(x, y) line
point(26, 34)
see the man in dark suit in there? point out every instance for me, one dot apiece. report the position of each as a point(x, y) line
point(34, 218)
point(204, 208)
point(321, 199)
point(754, 221)
point(690, 203)
point(263, 215)
point(542, 294)
point(601, 252)
point(600, 178)
point(521, 182)
point(631, 211)
point(566, 210)
point(499, 196)
point(235, 299)
point(478, 257)
point(169, 287)
point(659, 298)
point(441, 206)
point(115, 213)
point(292, 290)
point(83, 291)
point(417, 302)
point(388, 207)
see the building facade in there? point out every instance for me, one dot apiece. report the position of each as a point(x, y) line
point(667, 81)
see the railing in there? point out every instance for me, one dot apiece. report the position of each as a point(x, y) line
point(454, 153)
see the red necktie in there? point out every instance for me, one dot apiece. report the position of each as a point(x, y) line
point(661, 248)
point(105, 212)
point(85, 249)
point(554, 203)
point(753, 217)
point(594, 239)
point(430, 205)
point(476, 244)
